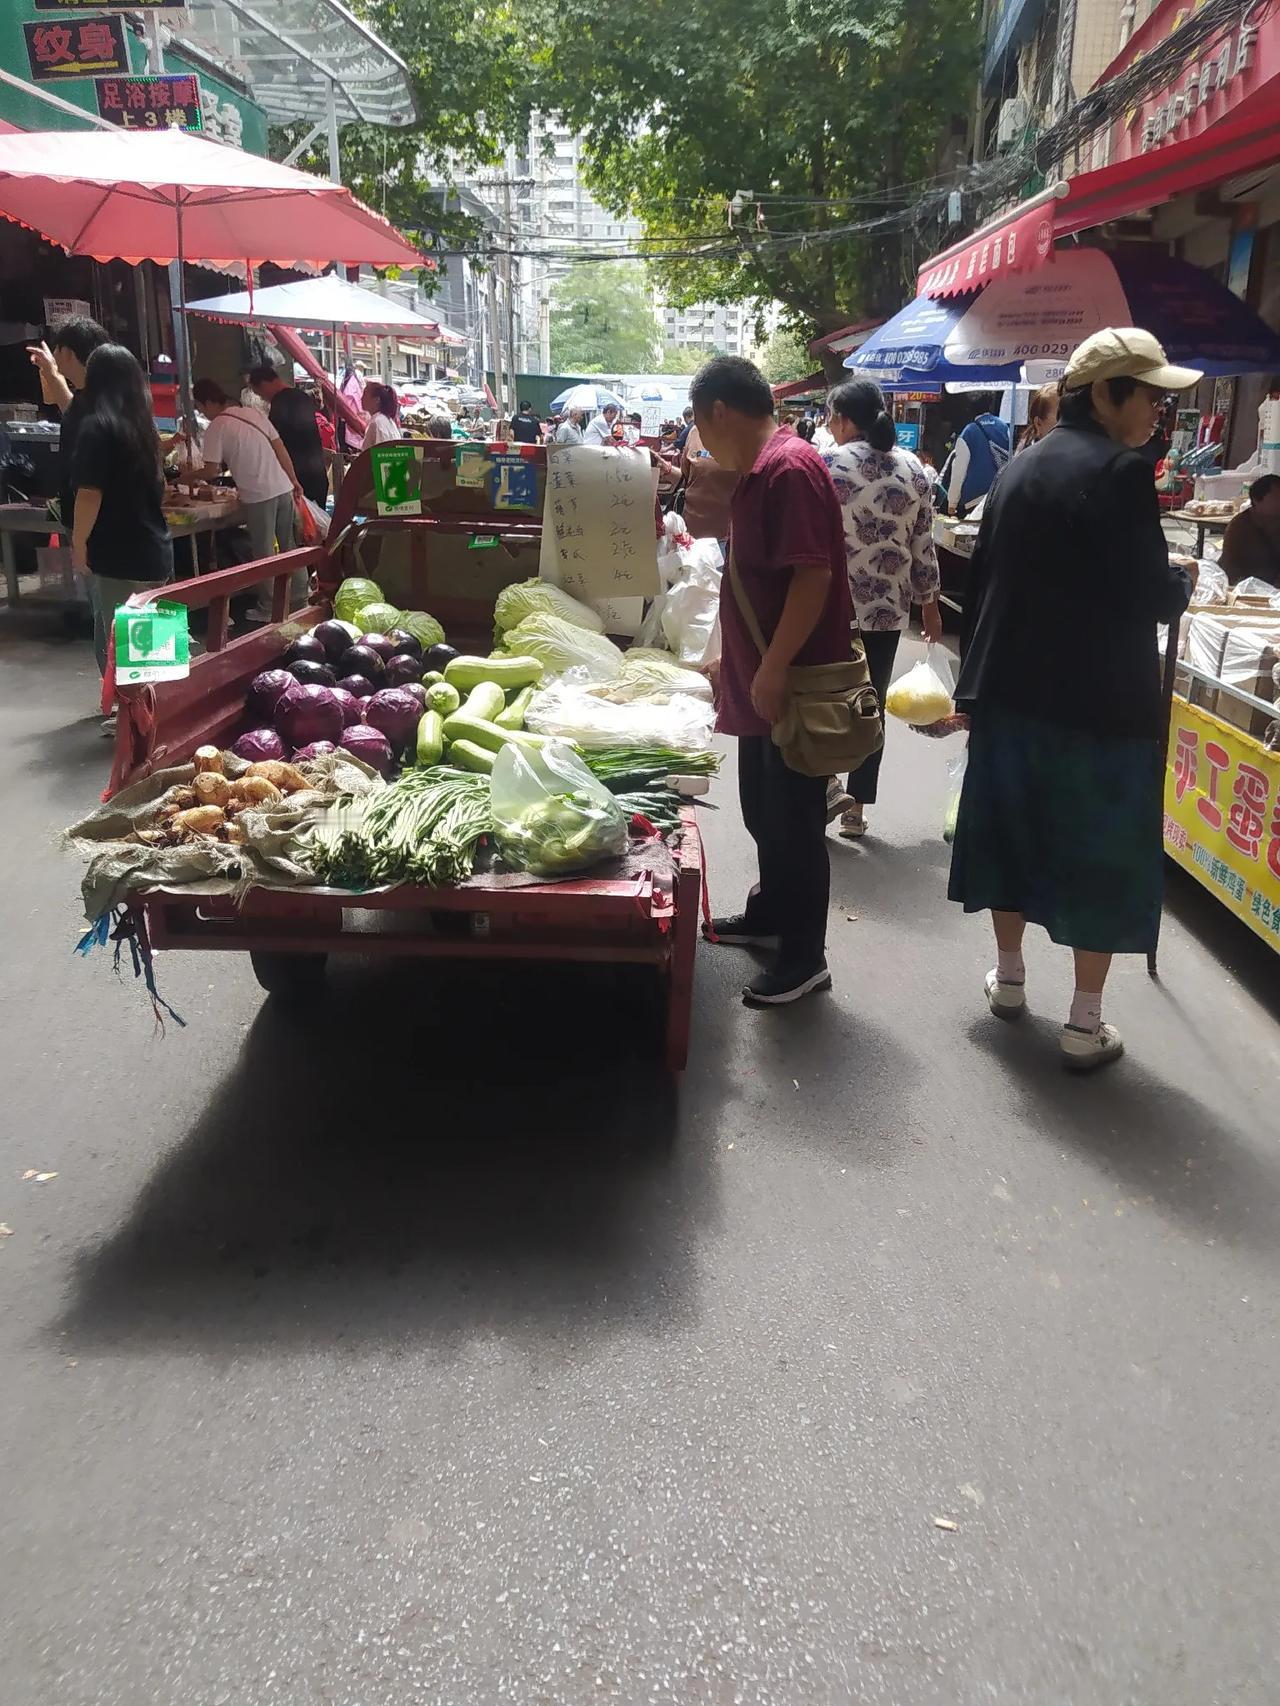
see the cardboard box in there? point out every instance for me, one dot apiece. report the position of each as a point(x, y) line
point(1249, 659)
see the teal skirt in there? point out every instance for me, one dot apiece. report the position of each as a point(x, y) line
point(1063, 827)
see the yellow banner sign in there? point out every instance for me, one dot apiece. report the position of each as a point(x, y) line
point(1222, 815)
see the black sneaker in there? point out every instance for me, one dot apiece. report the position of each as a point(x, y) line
point(781, 984)
point(737, 931)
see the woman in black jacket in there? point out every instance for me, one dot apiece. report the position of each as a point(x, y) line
point(1060, 815)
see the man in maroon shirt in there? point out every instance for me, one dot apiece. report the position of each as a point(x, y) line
point(786, 537)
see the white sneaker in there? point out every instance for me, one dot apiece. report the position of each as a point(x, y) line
point(837, 800)
point(1084, 1051)
point(1006, 1000)
point(853, 823)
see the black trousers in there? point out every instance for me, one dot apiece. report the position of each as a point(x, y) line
point(786, 816)
point(881, 650)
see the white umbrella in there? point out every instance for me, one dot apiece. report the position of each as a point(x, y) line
point(317, 304)
point(589, 397)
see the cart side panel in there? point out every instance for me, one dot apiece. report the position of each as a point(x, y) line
point(164, 722)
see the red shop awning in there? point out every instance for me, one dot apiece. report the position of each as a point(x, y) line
point(1023, 238)
point(1147, 180)
point(798, 387)
point(1015, 242)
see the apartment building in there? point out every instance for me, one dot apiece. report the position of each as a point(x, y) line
point(706, 326)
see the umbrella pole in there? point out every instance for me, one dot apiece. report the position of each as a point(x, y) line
point(340, 468)
point(182, 344)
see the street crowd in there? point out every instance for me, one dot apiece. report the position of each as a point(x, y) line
point(830, 547)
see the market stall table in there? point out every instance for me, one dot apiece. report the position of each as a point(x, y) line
point(1202, 523)
point(192, 520)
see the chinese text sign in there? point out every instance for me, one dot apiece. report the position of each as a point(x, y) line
point(1222, 815)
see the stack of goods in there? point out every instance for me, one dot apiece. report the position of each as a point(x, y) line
point(384, 686)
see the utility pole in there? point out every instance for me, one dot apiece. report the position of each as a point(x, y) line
point(513, 400)
point(495, 338)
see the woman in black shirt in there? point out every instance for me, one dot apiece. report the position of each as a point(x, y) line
point(1060, 814)
point(119, 539)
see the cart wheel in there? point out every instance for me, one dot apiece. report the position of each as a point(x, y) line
point(291, 978)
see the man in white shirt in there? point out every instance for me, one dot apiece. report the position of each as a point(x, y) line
point(570, 429)
point(600, 429)
point(257, 461)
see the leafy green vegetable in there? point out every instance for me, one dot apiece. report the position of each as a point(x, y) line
point(514, 603)
point(425, 629)
point(559, 645)
point(352, 595)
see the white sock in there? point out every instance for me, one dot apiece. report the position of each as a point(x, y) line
point(1009, 966)
point(1086, 1011)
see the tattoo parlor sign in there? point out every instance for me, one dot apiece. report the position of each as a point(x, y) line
point(81, 47)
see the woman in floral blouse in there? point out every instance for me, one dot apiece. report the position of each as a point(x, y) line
point(887, 501)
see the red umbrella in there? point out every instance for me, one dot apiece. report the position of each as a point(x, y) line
point(165, 196)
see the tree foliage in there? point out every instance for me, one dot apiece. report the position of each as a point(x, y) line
point(675, 359)
point(838, 104)
point(469, 69)
point(785, 357)
point(602, 320)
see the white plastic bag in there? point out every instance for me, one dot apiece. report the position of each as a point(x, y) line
point(551, 816)
point(923, 694)
point(571, 709)
point(955, 787)
point(1211, 584)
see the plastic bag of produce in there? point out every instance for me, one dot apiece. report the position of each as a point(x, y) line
point(514, 603)
point(955, 787)
point(559, 646)
point(923, 694)
point(551, 816)
point(570, 708)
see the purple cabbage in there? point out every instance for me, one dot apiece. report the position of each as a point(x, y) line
point(260, 744)
point(265, 692)
point(310, 714)
point(418, 690)
point(370, 745)
point(396, 713)
point(314, 749)
point(351, 710)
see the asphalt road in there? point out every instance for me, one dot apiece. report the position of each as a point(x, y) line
point(443, 1354)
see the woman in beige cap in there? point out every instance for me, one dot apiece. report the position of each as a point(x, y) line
point(1059, 819)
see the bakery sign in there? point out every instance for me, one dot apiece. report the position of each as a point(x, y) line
point(1225, 62)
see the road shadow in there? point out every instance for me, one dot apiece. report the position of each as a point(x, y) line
point(1151, 1140)
point(1254, 964)
point(441, 1153)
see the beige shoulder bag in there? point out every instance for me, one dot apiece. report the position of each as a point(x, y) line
point(832, 719)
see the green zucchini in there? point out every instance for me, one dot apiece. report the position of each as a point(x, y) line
point(484, 701)
point(466, 672)
point(430, 744)
point(513, 716)
point(443, 698)
point(467, 756)
point(481, 731)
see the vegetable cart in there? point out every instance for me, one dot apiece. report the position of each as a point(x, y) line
point(646, 917)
